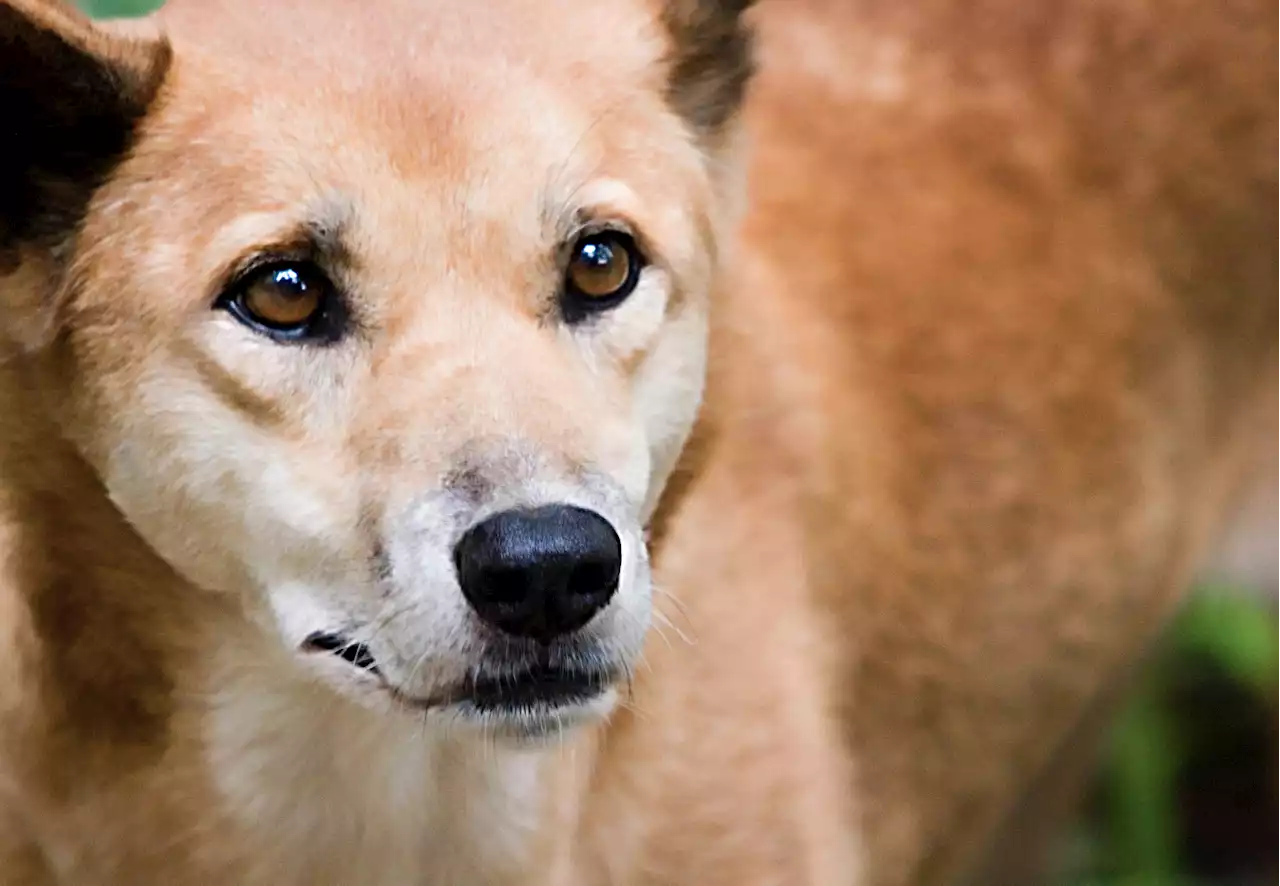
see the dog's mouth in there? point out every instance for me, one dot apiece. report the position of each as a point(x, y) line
point(539, 687)
point(355, 654)
point(522, 691)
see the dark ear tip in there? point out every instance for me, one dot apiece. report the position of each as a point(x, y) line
point(711, 60)
point(154, 57)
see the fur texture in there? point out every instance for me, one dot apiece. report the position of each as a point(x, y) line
point(949, 361)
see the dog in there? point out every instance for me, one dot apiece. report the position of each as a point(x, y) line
point(645, 442)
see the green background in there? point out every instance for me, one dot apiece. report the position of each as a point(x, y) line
point(109, 8)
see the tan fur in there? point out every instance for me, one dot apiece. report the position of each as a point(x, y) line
point(990, 358)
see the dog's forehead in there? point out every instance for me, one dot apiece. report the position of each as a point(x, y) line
point(353, 44)
point(463, 96)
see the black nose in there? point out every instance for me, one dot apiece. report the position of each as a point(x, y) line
point(539, 572)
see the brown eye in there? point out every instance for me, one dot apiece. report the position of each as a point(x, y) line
point(282, 297)
point(285, 300)
point(603, 269)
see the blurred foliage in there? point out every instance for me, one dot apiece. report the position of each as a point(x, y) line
point(1186, 794)
point(118, 8)
point(1142, 828)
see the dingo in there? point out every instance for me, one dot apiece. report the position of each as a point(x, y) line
point(359, 522)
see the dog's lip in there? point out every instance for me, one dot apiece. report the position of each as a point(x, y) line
point(528, 688)
point(537, 685)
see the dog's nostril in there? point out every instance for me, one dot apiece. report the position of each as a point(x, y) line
point(591, 579)
point(353, 653)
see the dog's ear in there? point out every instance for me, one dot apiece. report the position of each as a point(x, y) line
point(71, 95)
point(710, 62)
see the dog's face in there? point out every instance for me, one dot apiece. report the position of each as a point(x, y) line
point(394, 322)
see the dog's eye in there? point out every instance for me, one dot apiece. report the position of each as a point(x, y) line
point(603, 270)
point(285, 300)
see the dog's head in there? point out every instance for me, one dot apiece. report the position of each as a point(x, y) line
point(390, 319)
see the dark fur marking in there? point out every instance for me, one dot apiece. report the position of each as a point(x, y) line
point(70, 118)
point(105, 692)
point(381, 565)
point(711, 60)
point(234, 392)
point(113, 691)
point(468, 479)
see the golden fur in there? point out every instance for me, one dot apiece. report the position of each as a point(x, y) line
point(988, 332)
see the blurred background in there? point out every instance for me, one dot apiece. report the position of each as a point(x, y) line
point(1185, 793)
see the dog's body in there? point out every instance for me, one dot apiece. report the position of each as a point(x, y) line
point(988, 365)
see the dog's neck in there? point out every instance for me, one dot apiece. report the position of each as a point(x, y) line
point(128, 663)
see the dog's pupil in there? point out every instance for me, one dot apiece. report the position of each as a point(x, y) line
point(598, 269)
point(597, 256)
point(289, 283)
